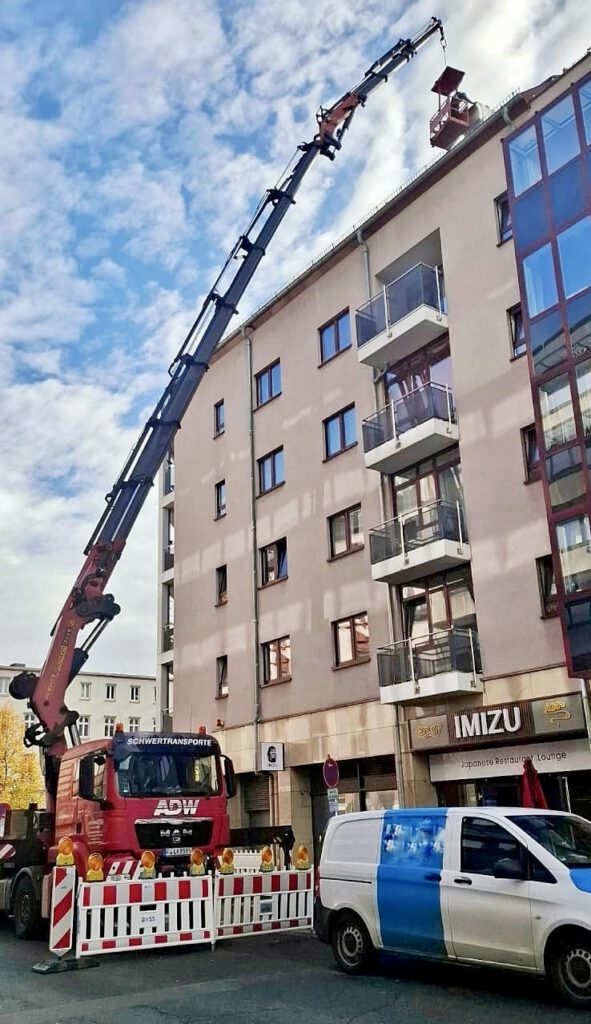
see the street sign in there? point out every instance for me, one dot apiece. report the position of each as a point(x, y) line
point(332, 793)
point(272, 757)
point(330, 772)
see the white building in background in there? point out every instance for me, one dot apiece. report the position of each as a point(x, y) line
point(101, 699)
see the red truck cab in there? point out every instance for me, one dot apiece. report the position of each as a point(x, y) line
point(144, 791)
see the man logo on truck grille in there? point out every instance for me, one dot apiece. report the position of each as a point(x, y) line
point(176, 806)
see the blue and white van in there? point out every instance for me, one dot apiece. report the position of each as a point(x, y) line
point(490, 885)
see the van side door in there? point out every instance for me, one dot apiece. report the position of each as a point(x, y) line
point(408, 883)
point(490, 918)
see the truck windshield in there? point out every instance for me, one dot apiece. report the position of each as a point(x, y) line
point(566, 838)
point(150, 774)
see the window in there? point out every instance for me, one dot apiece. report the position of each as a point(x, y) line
point(585, 98)
point(219, 422)
point(578, 314)
point(574, 544)
point(221, 669)
point(351, 640)
point(540, 280)
point(546, 585)
point(221, 584)
point(517, 331)
point(525, 160)
point(584, 391)
point(531, 453)
point(4, 684)
point(546, 341)
point(84, 727)
point(566, 838)
point(268, 383)
point(274, 562)
point(340, 432)
point(504, 226)
point(109, 725)
point(277, 660)
point(484, 844)
point(134, 725)
point(345, 531)
point(29, 720)
point(134, 694)
point(566, 482)
point(220, 499)
point(559, 130)
point(84, 691)
point(574, 247)
point(271, 471)
point(556, 406)
point(335, 337)
point(111, 690)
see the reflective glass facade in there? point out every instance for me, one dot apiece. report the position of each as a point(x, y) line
point(548, 164)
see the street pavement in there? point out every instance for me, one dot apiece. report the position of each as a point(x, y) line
point(266, 979)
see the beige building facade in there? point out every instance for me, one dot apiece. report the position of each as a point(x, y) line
point(355, 553)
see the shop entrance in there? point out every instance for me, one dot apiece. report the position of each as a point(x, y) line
point(560, 791)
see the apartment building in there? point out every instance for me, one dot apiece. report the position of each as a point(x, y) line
point(101, 699)
point(381, 495)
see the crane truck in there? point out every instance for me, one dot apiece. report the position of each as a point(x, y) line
point(132, 793)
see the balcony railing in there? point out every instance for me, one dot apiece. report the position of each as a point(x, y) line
point(431, 401)
point(168, 636)
point(169, 478)
point(168, 557)
point(451, 650)
point(441, 520)
point(420, 286)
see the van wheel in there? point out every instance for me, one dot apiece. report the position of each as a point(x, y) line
point(351, 944)
point(569, 969)
point(26, 910)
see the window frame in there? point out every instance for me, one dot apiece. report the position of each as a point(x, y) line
point(512, 313)
point(502, 202)
point(340, 417)
point(134, 688)
point(533, 471)
point(84, 727)
point(267, 374)
point(357, 658)
point(222, 688)
point(109, 722)
point(339, 349)
point(266, 660)
point(265, 548)
point(275, 483)
point(84, 690)
point(108, 688)
point(548, 604)
point(219, 422)
point(136, 723)
point(221, 510)
point(221, 594)
point(350, 548)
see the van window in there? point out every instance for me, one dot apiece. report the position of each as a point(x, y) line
point(484, 843)
point(355, 841)
point(566, 838)
point(415, 840)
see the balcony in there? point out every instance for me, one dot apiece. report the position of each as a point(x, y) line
point(429, 539)
point(410, 429)
point(405, 316)
point(169, 478)
point(168, 558)
point(443, 664)
point(168, 636)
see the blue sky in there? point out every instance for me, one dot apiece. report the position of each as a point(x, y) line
point(137, 139)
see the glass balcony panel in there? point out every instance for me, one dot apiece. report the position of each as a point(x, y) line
point(168, 559)
point(433, 401)
point(420, 286)
point(370, 319)
point(168, 637)
point(451, 650)
point(441, 520)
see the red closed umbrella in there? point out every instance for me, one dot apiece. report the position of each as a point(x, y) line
point(532, 794)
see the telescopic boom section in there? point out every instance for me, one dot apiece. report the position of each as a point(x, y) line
point(87, 601)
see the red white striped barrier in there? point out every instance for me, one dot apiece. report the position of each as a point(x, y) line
point(277, 901)
point(61, 926)
point(121, 916)
point(7, 851)
point(129, 868)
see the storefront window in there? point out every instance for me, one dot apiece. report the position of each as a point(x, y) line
point(558, 421)
point(525, 160)
point(574, 544)
point(559, 129)
point(574, 247)
point(540, 280)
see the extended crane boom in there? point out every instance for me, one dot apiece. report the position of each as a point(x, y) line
point(87, 602)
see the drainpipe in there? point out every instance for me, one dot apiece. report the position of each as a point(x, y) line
point(376, 380)
point(254, 568)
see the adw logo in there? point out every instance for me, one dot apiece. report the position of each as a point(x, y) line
point(176, 806)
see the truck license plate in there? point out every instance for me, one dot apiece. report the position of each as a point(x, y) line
point(177, 851)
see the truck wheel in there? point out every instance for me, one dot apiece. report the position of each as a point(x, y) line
point(569, 969)
point(26, 910)
point(351, 944)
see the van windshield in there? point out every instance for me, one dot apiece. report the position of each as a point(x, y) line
point(566, 838)
point(151, 774)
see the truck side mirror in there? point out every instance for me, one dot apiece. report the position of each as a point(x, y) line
point(230, 776)
point(86, 780)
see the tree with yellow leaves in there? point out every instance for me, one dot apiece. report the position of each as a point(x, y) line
point(21, 781)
